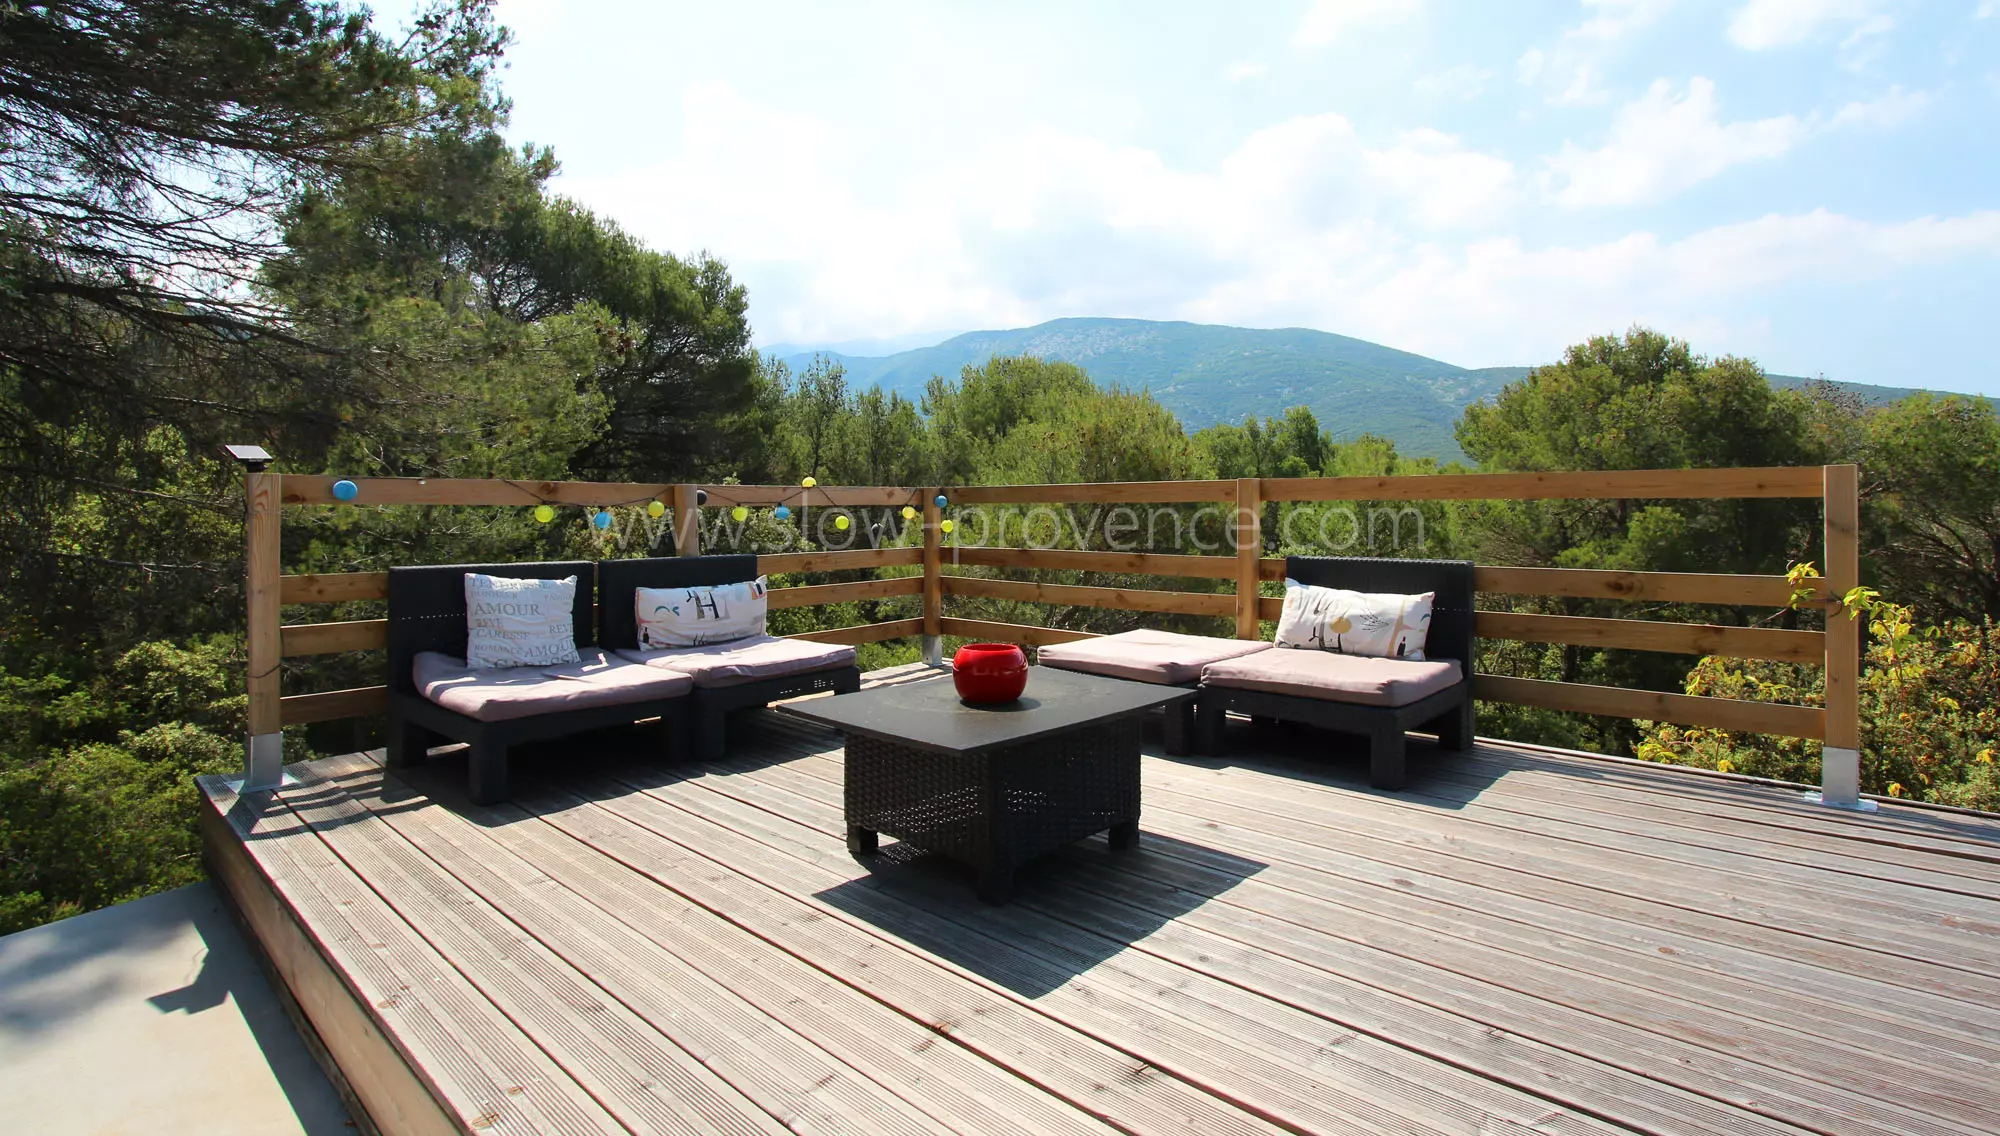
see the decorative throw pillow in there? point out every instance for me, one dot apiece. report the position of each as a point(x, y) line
point(698, 616)
point(1376, 624)
point(519, 623)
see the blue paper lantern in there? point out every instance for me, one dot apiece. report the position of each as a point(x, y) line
point(781, 512)
point(941, 502)
point(345, 490)
point(602, 519)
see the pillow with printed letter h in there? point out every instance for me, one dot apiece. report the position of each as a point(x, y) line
point(1376, 624)
point(698, 616)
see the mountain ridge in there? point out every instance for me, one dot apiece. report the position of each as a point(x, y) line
point(1213, 373)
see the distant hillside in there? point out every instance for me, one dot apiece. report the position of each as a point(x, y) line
point(1207, 374)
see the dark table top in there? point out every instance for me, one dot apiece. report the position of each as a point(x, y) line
point(929, 715)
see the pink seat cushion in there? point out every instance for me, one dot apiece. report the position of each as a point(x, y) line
point(498, 695)
point(1335, 678)
point(746, 660)
point(1148, 656)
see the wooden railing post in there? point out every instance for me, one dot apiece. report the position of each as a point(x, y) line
point(263, 750)
point(1248, 529)
point(933, 581)
point(687, 522)
point(1840, 755)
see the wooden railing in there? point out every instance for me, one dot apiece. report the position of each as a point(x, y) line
point(1837, 648)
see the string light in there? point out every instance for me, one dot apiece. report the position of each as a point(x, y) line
point(602, 520)
point(656, 509)
point(941, 502)
point(782, 512)
point(345, 490)
point(909, 512)
point(841, 523)
point(944, 526)
point(544, 514)
point(739, 514)
point(808, 483)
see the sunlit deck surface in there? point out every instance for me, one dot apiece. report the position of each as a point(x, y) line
point(1521, 941)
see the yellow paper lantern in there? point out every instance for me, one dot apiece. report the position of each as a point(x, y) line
point(909, 513)
point(739, 514)
point(544, 514)
point(656, 509)
point(841, 523)
point(808, 483)
point(944, 526)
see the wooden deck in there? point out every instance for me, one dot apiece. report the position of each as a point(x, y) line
point(1521, 942)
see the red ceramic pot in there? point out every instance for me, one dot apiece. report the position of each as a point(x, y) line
point(989, 672)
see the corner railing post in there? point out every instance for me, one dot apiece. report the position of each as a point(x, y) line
point(1247, 527)
point(933, 581)
point(263, 751)
point(1840, 756)
point(687, 522)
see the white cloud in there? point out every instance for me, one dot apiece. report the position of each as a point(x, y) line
point(1665, 142)
point(1763, 24)
point(1572, 66)
point(1461, 82)
point(1242, 72)
point(1987, 10)
point(1327, 21)
point(1895, 107)
point(1304, 223)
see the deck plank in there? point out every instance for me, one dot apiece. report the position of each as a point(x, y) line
point(1524, 941)
point(638, 1074)
point(486, 1074)
point(694, 965)
point(1666, 1039)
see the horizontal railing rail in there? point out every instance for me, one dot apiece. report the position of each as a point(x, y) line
point(943, 576)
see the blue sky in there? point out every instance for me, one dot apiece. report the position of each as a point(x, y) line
point(1812, 183)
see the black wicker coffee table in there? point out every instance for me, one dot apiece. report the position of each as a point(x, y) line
point(992, 786)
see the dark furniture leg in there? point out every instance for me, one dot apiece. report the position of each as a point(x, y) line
point(1178, 733)
point(848, 682)
point(1454, 730)
point(1385, 757)
point(1123, 835)
point(710, 726)
point(861, 841)
point(1211, 710)
point(486, 770)
point(409, 743)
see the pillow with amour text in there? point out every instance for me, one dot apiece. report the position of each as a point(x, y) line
point(519, 623)
point(1375, 624)
point(698, 616)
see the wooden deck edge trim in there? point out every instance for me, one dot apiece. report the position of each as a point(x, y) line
point(1063, 559)
point(1780, 719)
point(1588, 485)
point(1122, 599)
point(1776, 644)
point(1020, 633)
point(330, 705)
point(864, 632)
point(811, 595)
point(363, 1060)
point(333, 587)
point(776, 562)
point(298, 639)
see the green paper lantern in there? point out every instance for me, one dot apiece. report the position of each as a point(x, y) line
point(841, 523)
point(544, 514)
point(656, 509)
point(739, 514)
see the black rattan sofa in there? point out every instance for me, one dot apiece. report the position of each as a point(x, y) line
point(710, 705)
point(1447, 712)
point(427, 613)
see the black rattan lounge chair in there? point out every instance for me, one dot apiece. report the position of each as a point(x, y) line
point(1448, 712)
point(711, 704)
point(427, 613)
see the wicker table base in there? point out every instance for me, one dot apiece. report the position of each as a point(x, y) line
point(997, 809)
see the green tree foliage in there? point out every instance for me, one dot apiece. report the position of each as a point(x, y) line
point(1932, 467)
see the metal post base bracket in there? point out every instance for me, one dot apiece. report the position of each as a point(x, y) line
point(1840, 780)
point(934, 650)
point(263, 765)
